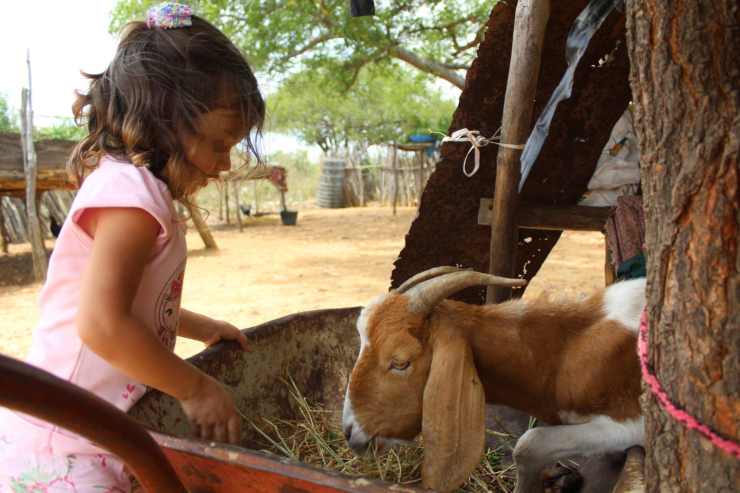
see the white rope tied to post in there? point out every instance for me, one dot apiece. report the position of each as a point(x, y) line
point(477, 141)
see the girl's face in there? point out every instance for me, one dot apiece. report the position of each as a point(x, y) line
point(209, 149)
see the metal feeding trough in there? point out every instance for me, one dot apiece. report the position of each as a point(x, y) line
point(317, 351)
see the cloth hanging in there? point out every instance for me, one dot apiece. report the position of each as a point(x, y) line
point(625, 236)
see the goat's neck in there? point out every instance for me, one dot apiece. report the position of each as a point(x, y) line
point(516, 364)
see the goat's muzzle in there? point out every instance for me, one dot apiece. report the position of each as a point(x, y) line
point(358, 442)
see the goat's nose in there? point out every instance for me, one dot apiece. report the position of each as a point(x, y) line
point(358, 446)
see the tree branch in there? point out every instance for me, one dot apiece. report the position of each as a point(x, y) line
point(474, 42)
point(449, 27)
point(455, 66)
point(310, 45)
point(428, 66)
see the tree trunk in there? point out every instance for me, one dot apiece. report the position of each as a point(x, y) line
point(685, 79)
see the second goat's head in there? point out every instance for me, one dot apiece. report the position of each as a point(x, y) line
point(414, 376)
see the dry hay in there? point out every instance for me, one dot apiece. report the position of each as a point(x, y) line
point(316, 439)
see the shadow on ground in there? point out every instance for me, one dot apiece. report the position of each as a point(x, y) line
point(16, 269)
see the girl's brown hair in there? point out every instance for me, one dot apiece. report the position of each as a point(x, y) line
point(158, 84)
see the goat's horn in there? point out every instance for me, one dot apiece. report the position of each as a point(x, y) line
point(424, 296)
point(426, 275)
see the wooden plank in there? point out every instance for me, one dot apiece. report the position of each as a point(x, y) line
point(35, 236)
point(526, 50)
point(573, 217)
point(51, 154)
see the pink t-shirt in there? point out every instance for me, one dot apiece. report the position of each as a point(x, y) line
point(56, 346)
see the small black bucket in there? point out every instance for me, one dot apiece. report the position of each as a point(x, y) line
point(289, 218)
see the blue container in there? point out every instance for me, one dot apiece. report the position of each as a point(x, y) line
point(421, 138)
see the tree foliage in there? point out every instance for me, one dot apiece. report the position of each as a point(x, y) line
point(438, 37)
point(66, 129)
point(385, 104)
point(7, 120)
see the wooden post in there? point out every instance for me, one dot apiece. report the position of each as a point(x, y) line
point(394, 167)
point(419, 176)
point(4, 240)
point(256, 199)
point(610, 276)
point(29, 165)
point(200, 225)
point(236, 205)
point(220, 189)
point(524, 67)
point(362, 184)
point(226, 200)
point(282, 201)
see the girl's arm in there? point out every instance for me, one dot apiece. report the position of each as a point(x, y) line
point(207, 330)
point(123, 242)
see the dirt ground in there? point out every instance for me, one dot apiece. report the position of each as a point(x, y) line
point(332, 258)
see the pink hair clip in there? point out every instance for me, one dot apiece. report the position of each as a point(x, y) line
point(169, 15)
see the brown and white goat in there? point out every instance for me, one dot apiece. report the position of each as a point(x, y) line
point(430, 365)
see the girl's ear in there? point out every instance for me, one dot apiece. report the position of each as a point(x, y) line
point(453, 421)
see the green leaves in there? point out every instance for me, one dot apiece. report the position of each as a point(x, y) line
point(66, 129)
point(285, 36)
point(348, 79)
point(385, 104)
point(7, 120)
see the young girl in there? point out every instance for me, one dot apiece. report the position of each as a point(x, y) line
point(162, 120)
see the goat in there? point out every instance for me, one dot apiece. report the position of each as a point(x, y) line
point(429, 365)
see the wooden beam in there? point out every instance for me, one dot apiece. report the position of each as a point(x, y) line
point(524, 67)
point(45, 180)
point(572, 217)
point(575, 218)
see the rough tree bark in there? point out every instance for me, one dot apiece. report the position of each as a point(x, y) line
point(685, 79)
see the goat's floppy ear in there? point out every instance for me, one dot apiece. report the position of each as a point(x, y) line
point(453, 421)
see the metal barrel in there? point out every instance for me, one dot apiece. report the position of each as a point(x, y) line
point(330, 194)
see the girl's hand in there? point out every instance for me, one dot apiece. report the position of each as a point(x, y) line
point(224, 331)
point(212, 412)
point(209, 331)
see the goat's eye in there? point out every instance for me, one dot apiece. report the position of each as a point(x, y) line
point(399, 365)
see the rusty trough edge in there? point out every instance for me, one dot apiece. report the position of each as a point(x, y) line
point(279, 466)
